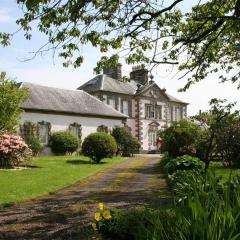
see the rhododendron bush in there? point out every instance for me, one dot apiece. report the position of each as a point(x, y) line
point(13, 151)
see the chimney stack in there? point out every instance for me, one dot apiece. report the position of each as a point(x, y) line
point(114, 72)
point(139, 74)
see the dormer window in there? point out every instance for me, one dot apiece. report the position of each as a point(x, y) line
point(111, 101)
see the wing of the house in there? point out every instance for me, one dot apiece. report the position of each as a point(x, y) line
point(54, 109)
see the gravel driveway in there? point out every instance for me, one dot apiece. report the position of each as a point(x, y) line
point(68, 213)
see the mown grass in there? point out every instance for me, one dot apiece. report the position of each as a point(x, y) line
point(47, 175)
point(224, 172)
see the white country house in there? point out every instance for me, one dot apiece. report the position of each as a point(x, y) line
point(148, 107)
point(104, 102)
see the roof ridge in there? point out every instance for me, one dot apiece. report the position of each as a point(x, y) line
point(102, 80)
point(45, 86)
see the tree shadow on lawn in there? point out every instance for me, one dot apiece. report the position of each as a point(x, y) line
point(18, 168)
point(83, 162)
point(71, 218)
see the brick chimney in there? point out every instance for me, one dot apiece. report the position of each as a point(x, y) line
point(139, 74)
point(114, 72)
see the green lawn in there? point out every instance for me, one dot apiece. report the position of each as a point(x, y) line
point(222, 171)
point(49, 174)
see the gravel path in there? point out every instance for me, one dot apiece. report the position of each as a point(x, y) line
point(67, 213)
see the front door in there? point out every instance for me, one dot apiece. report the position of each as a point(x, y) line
point(152, 140)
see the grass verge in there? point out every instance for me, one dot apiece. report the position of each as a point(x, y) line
point(48, 175)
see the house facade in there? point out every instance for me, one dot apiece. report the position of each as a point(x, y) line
point(52, 109)
point(148, 107)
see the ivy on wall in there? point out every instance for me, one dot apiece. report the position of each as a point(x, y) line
point(28, 129)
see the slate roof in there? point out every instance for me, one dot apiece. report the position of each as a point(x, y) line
point(43, 98)
point(173, 99)
point(105, 83)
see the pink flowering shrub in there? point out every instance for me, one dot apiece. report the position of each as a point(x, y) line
point(13, 151)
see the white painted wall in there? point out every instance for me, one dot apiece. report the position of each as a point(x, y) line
point(62, 122)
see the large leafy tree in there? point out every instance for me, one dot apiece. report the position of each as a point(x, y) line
point(11, 98)
point(219, 123)
point(204, 40)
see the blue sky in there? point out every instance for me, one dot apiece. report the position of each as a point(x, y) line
point(48, 71)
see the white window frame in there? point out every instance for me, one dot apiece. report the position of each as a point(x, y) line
point(178, 114)
point(160, 112)
point(172, 113)
point(125, 107)
point(150, 111)
point(112, 102)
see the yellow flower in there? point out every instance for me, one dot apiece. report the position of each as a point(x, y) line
point(101, 206)
point(107, 215)
point(98, 216)
point(94, 226)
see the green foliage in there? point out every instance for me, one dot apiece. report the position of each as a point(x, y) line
point(29, 132)
point(164, 160)
point(184, 163)
point(218, 130)
point(180, 138)
point(184, 182)
point(215, 24)
point(212, 210)
point(227, 140)
point(99, 145)
point(127, 144)
point(64, 143)
point(209, 211)
point(34, 144)
point(127, 224)
point(11, 99)
point(207, 34)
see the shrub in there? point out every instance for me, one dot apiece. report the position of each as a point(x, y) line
point(99, 145)
point(206, 213)
point(127, 144)
point(164, 160)
point(180, 138)
point(185, 182)
point(34, 144)
point(128, 224)
point(184, 163)
point(13, 151)
point(64, 142)
point(227, 139)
